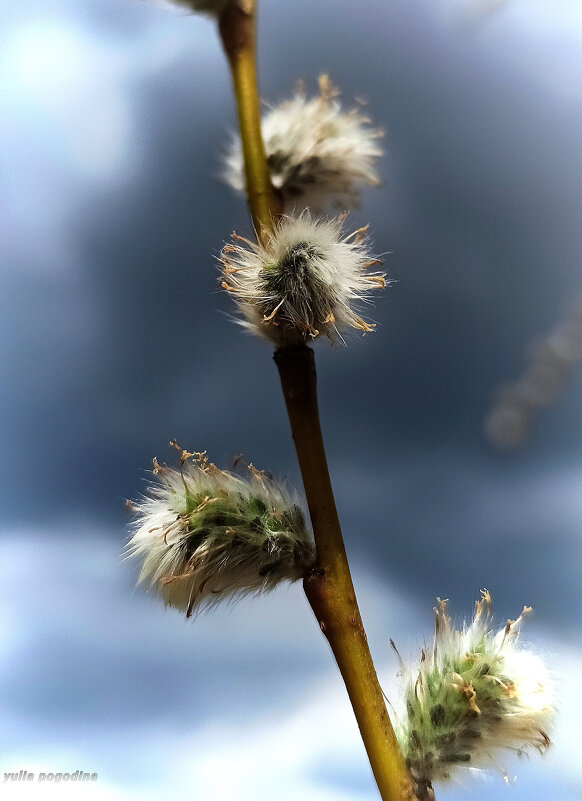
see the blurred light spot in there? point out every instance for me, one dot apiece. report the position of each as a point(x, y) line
point(508, 423)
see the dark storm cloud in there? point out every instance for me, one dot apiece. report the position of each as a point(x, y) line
point(131, 348)
point(450, 528)
point(120, 340)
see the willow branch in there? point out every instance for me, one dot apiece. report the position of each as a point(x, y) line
point(329, 588)
point(237, 31)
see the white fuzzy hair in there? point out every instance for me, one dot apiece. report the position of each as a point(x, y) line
point(302, 280)
point(475, 692)
point(318, 155)
point(204, 534)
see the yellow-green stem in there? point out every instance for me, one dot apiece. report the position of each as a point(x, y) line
point(237, 30)
point(329, 588)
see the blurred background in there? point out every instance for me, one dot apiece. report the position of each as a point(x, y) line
point(114, 339)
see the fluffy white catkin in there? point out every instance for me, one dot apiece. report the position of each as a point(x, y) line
point(302, 281)
point(475, 692)
point(318, 155)
point(203, 534)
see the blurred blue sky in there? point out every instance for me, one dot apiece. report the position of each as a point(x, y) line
point(114, 339)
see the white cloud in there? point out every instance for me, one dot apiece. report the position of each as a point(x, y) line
point(303, 744)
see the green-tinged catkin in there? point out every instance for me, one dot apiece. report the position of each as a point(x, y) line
point(204, 534)
point(475, 692)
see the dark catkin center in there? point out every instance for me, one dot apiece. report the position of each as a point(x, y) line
point(295, 281)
